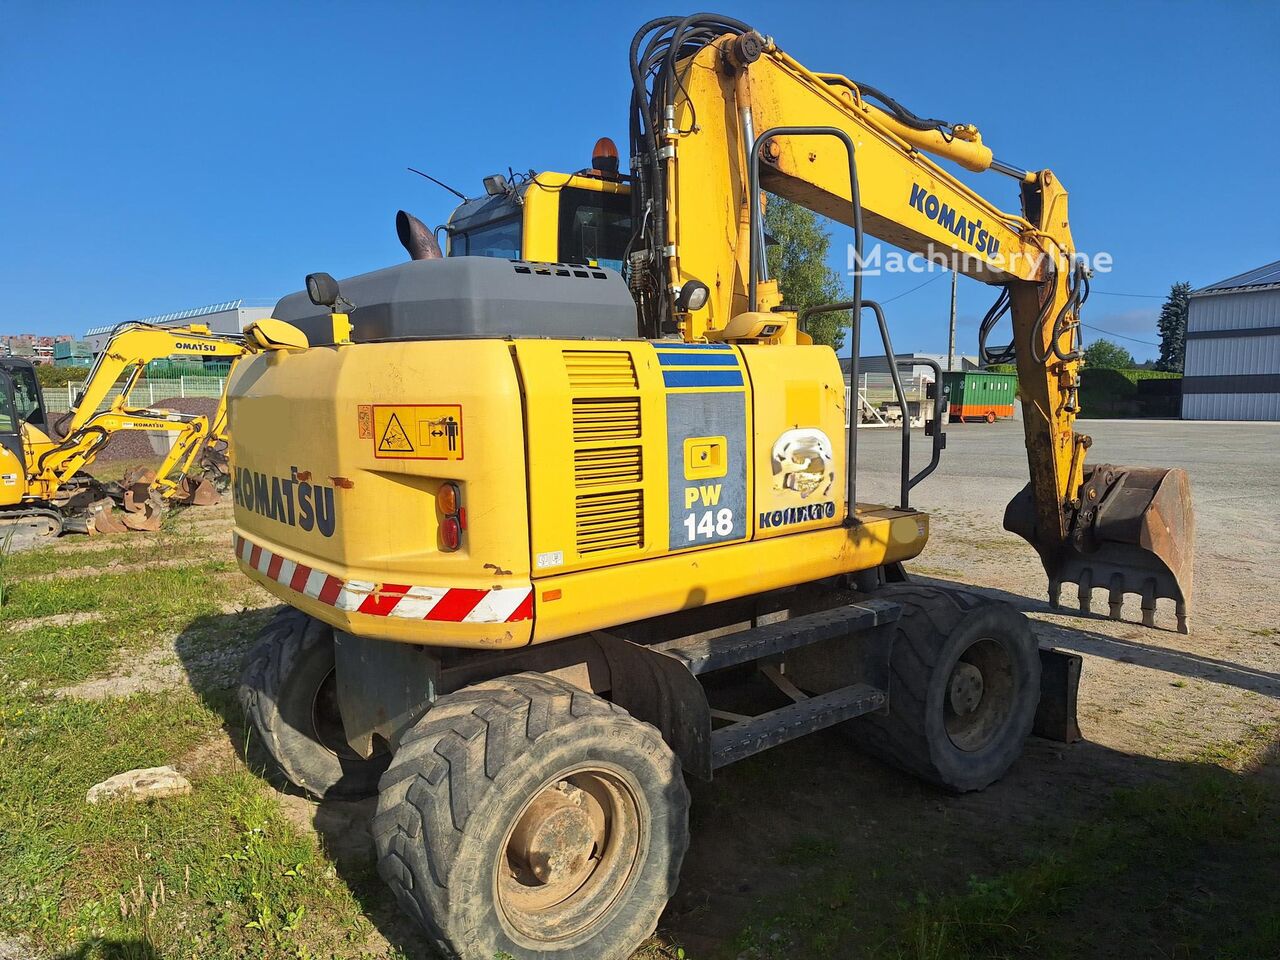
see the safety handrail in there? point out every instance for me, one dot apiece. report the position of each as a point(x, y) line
point(908, 482)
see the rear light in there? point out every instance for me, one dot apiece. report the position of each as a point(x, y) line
point(449, 503)
point(447, 499)
point(451, 533)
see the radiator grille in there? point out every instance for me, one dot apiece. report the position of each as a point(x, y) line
point(600, 370)
point(610, 521)
point(606, 419)
point(606, 465)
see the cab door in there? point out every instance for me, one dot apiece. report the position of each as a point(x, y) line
point(13, 471)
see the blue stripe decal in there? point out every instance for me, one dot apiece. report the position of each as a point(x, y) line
point(702, 378)
point(698, 360)
point(676, 345)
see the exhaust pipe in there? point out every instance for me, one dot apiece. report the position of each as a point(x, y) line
point(417, 238)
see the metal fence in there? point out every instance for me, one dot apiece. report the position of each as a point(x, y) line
point(146, 392)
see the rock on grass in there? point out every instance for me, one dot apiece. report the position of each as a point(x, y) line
point(150, 783)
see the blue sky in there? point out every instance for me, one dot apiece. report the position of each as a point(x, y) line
point(162, 156)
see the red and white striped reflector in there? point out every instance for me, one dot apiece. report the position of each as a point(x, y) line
point(407, 602)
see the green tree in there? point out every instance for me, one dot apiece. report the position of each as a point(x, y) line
point(1104, 353)
point(799, 263)
point(1173, 328)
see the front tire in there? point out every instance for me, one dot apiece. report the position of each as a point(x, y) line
point(525, 817)
point(963, 690)
point(289, 694)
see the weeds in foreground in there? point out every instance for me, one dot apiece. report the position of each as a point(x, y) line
point(5, 547)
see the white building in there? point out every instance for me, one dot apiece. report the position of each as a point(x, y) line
point(1232, 367)
point(229, 317)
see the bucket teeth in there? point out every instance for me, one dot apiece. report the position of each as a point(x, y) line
point(1116, 598)
point(1118, 587)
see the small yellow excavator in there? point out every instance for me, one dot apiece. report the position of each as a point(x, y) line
point(571, 513)
point(42, 484)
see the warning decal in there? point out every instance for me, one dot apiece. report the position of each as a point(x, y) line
point(417, 431)
point(393, 438)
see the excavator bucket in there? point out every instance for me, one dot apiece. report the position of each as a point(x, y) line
point(196, 492)
point(147, 519)
point(1134, 532)
point(103, 518)
point(217, 468)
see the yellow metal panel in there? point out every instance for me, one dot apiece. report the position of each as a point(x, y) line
point(597, 452)
point(13, 478)
point(598, 599)
point(800, 438)
point(297, 428)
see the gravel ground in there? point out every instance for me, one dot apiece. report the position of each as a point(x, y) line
point(1234, 646)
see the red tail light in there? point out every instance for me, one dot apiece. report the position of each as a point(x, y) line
point(451, 533)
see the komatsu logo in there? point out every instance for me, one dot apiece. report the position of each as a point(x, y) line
point(783, 518)
point(293, 500)
point(197, 347)
point(970, 231)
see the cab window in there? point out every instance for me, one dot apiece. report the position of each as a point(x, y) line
point(498, 239)
point(594, 226)
point(8, 416)
point(26, 395)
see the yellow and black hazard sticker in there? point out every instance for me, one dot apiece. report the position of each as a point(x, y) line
point(414, 431)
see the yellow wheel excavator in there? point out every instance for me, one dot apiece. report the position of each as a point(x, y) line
point(570, 513)
point(43, 487)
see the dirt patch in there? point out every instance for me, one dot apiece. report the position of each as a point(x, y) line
point(157, 670)
point(208, 758)
point(55, 620)
point(161, 669)
point(11, 949)
point(119, 566)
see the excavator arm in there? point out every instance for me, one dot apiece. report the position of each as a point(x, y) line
point(717, 107)
point(94, 417)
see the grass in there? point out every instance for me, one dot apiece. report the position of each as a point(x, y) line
point(1181, 867)
point(220, 873)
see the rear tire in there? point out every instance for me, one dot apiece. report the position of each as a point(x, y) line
point(991, 417)
point(525, 817)
point(963, 690)
point(289, 694)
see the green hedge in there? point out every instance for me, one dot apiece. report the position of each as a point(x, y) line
point(1123, 393)
point(1120, 393)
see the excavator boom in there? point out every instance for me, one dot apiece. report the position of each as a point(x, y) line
point(716, 103)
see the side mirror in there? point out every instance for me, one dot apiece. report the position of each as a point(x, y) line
point(322, 289)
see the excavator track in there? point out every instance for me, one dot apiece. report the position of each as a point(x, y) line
point(30, 523)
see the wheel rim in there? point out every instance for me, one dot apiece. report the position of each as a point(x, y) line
point(569, 854)
point(326, 723)
point(978, 697)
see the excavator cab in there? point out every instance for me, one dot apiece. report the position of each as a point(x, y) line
point(548, 217)
point(28, 398)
